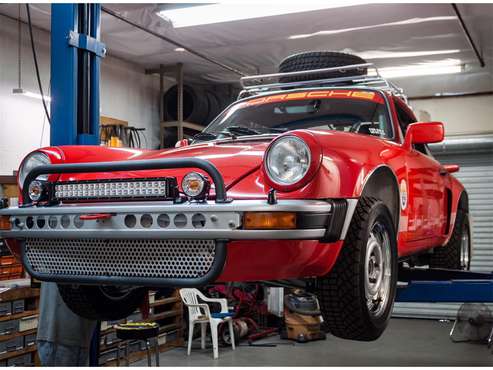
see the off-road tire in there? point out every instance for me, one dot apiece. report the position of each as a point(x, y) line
point(341, 292)
point(320, 59)
point(449, 256)
point(90, 302)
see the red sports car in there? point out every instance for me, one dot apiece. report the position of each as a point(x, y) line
point(330, 186)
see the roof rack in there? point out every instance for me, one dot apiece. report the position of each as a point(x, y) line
point(253, 85)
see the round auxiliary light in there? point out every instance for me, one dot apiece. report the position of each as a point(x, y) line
point(195, 185)
point(36, 189)
point(288, 160)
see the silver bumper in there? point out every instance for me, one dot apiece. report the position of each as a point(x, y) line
point(163, 220)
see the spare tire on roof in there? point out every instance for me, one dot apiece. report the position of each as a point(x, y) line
point(307, 61)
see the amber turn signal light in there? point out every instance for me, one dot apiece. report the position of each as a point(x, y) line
point(269, 220)
point(5, 223)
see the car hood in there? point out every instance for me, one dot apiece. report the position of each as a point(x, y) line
point(234, 160)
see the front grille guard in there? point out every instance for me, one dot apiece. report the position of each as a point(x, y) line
point(151, 164)
point(154, 164)
point(209, 277)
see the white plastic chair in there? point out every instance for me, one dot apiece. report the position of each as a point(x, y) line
point(199, 313)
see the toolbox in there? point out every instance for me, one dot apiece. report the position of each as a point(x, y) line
point(5, 308)
point(28, 323)
point(18, 306)
point(29, 340)
point(9, 327)
point(24, 360)
point(14, 344)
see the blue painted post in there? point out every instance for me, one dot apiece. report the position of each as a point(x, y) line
point(66, 43)
point(63, 76)
point(95, 73)
point(93, 138)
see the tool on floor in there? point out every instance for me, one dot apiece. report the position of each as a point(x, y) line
point(302, 317)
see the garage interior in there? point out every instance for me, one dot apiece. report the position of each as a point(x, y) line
point(167, 70)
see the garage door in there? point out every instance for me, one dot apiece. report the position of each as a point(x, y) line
point(476, 173)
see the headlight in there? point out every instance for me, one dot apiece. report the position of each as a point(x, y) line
point(195, 185)
point(33, 160)
point(287, 160)
point(36, 190)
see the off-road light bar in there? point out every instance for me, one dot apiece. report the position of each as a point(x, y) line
point(112, 189)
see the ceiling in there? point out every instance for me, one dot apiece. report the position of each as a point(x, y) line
point(386, 34)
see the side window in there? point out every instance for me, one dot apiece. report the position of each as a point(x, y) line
point(404, 121)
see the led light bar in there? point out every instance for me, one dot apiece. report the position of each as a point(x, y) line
point(155, 188)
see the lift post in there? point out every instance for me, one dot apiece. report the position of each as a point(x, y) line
point(76, 53)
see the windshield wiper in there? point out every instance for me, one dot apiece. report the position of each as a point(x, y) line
point(204, 136)
point(240, 130)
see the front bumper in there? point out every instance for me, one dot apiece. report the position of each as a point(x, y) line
point(165, 220)
point(179, 245)
point(153, 243)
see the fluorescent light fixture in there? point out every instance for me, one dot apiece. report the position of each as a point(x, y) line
point(448, 66)
point(19, 91)
point(228, 11)
point(375, 26)
point(382, 54)
point(180, 49)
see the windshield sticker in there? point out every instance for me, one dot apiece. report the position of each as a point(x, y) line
point(334, 94)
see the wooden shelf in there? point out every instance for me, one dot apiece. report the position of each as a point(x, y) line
point(163, 315)
point(5, 337)
point(15, 293)
point(162, 302)
point(18, 353)
point(19, 315)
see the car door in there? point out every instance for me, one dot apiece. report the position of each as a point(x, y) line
point(427, 185)
point(425, 189)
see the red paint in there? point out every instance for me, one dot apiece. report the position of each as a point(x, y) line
point(278, 259)
point(96, 216)
point(341, 166)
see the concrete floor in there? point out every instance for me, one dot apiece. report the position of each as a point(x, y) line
point(406, 342)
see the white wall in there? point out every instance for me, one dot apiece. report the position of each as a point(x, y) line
point(126, 93)
point(468, 115)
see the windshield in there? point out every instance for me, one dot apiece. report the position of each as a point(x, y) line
point(357, 111)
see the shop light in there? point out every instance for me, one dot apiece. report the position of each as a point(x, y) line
point(29, 94)
point(227, 11)
point(449, 66)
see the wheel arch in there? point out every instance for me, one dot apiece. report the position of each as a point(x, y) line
point(377, 184)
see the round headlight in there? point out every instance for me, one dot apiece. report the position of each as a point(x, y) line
point(287, 160)
point(33, 160)
point(194, 185)
point(36, 189)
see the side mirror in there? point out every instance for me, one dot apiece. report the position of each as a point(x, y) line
point(182, 142)
point(451, 168)
point(424, 133)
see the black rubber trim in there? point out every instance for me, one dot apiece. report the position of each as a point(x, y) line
point(151, 164)
point(307, 220)
point(336, 221)
point(208, 278)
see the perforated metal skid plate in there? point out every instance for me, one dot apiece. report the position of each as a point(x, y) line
point(123, 261)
